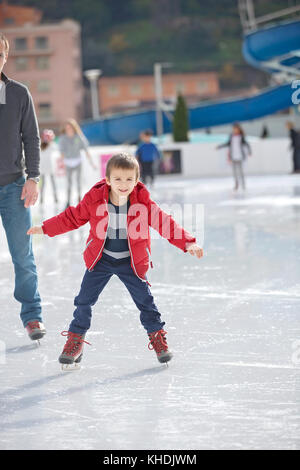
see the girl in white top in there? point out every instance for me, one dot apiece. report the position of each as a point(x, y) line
point(238, 150)
point(48, 149)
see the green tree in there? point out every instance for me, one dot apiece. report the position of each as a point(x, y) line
point(181, 121)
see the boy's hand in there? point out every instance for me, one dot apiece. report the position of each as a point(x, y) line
point(194, 249)
point(35, 231)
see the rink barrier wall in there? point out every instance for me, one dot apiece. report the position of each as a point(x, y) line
point(269, 156)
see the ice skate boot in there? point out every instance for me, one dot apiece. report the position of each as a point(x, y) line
point(35, 330)
point(71, 356)
point(158, 342)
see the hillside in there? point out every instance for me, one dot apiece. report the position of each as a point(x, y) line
point(127, 37)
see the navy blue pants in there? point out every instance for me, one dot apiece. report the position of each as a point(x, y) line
point(93, 284)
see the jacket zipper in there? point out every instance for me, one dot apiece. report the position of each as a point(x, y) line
point(150, 259)
point(93, 263)
point(144, 280)
point(88, 244)
point(131, 256)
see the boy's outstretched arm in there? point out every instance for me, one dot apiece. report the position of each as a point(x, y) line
point(169, 229)
point(70, 219)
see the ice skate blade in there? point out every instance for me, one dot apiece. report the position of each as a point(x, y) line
point(165, 359)
point(70, 367)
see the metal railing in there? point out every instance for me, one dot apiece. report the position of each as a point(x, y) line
point(250, 22)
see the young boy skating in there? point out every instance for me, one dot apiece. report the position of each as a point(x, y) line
point(120, 212)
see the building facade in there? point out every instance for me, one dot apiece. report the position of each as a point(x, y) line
point(47, 59)
point(117, 94)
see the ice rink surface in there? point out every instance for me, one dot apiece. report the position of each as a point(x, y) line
point(233, 323)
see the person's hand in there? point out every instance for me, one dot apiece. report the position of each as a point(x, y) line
point(194, 249)
point(35, 231)
point(30, 193)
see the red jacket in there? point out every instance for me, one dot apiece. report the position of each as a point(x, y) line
point(142, 213)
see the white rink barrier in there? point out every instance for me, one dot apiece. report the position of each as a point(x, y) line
point(269, 156)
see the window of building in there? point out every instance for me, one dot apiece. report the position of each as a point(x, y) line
point(113, 90)
point(20, 44)
point(41, 42)
point(45, 110)
point(42, 62)
point(43, 85)
point(135, 89)
point(9, 21)
point(21, 63)
point(202, 86)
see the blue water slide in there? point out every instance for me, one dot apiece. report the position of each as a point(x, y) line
point(275, 49)
point(279, 43)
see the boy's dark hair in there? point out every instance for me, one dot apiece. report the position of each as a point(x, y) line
point(148, 132)
point(5, 41)
point(124, 161)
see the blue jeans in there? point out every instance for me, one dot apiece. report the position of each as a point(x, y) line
point(16, 220)
point(93, 284)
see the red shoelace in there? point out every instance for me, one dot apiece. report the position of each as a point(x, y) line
point(158, 341)
point(73, 342)
point(33, 325)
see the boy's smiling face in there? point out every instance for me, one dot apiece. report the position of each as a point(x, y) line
point(122, 182)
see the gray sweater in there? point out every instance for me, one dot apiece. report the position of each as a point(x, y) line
point(18, 132)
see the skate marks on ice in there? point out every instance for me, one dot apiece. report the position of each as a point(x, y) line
point(59, 400)
point(22, 349)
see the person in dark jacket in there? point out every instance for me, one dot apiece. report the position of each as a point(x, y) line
point(18, 131)
point(238, 150)
point(295, 144)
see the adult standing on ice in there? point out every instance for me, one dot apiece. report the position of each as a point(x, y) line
point(71, 142)
point(295, 146)
point(18, 131)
